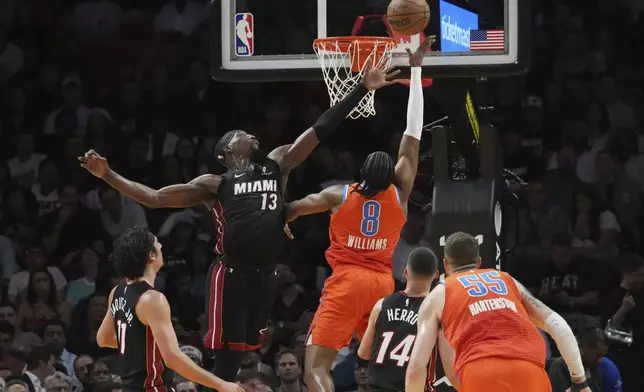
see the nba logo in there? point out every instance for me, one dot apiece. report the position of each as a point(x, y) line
point(244, 39)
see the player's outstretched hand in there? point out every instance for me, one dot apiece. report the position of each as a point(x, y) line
point(230, 387)
point(94, 163)
point(416, 58)
point(374, 78)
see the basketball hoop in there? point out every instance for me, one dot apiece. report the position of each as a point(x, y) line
point(343, 61)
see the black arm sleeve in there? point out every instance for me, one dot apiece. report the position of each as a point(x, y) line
point(334, 115)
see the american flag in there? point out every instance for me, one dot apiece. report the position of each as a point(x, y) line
point(487, 40)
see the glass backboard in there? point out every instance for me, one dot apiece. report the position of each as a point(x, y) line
point(259, 40)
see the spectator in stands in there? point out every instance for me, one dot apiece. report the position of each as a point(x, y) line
point(289, 371)
point(569, 286)
point(72, 94)
point(61, 228)
point(539, 223)
point(40, 365)
point(624, 311)
point(291, 304)
point(87, 263)
point(45, 190)
point(594, 227)
point(116, 216)
point(99, 373)
point(58, 382)
point(186, 386)
point(42, 302)
point(82, 364)
point(53, 334)
point(23, 167)
point(253, 381)
point(362, 379)
point(593, 347)
point(184, 307)
point(618, 192)
point(17, 385)
point(36, 259)
point(561, 181)
point(86, 320)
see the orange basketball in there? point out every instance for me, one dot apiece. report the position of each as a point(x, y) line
point(408, 17)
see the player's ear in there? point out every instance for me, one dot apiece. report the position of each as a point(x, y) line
point(435, 275)
point(406, 274)
point(478, 262)
point(446, 266)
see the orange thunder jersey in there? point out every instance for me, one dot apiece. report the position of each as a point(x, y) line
point(484, 317)
point(365, 231)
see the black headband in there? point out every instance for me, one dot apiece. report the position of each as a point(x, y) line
point(220, 147)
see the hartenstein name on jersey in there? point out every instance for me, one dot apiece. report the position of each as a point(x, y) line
point(121, 304)
point(406, 315)
point(487, 305)
point(363, 243)
point(256, 186)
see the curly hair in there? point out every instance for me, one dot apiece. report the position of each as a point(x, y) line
point(131, 251)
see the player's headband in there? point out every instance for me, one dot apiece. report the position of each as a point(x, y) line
point(220, 147)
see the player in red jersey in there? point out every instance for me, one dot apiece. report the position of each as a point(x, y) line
point(365, 227)
point(489, 321)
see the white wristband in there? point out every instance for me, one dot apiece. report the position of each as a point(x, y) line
point(560, 331)
point(415, 105)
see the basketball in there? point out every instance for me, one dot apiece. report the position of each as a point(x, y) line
point(408, 17)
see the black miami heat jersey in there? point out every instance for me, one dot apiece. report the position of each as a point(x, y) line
point(249, 215)
point(141, 362)
point(396, 329)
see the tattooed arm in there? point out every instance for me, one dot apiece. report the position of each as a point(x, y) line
point(551, 322)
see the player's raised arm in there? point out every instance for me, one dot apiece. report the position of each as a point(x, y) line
point(106, 335)
point(551, 322)
point(197, 191)
point(428, 321)
point(154, 311)
point(291, 156)
point(366, 345)
point(315, 203)
point(407, 164)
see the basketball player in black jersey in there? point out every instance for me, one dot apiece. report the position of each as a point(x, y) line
point(391, 332)
point(138, 323)
point(248, 209)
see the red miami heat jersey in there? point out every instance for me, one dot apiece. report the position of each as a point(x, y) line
point(483, 317)
point(365, 231)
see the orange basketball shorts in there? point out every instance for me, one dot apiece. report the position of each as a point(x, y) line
point(503, 375)
point(347, 298)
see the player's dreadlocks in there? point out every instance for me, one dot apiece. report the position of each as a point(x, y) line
point(376, 175)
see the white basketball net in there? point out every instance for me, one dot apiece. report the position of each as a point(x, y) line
point(341, 80)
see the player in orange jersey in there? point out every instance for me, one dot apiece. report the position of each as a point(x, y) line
point(365, 227)
point(489, 321)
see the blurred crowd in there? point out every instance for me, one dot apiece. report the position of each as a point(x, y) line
point(130, 80)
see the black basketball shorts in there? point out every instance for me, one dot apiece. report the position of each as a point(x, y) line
point(238, 305)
